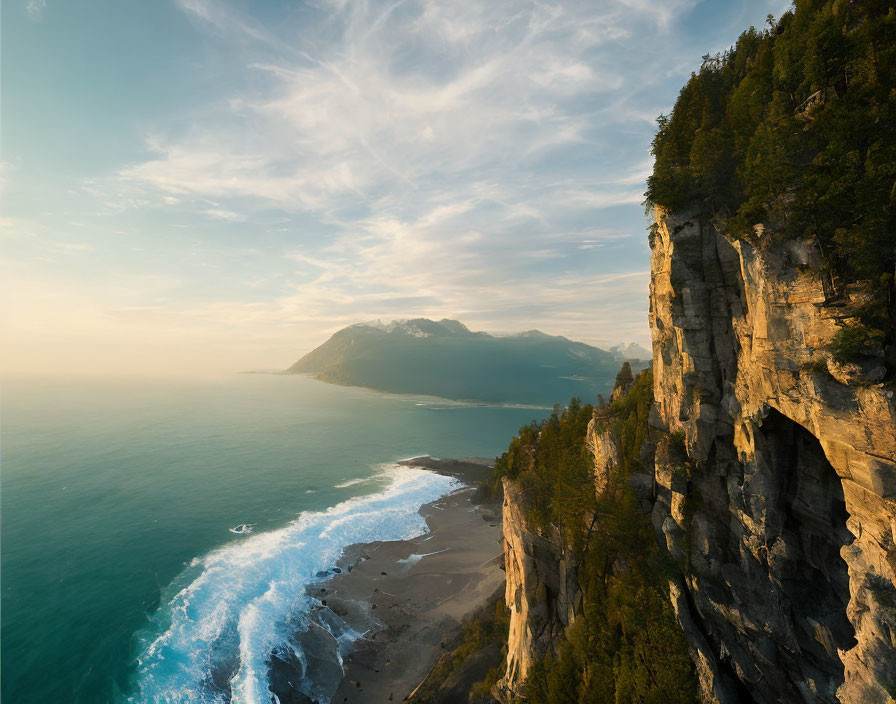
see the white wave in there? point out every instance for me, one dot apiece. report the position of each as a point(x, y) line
point(387, 471)
point(243, 528)
point(351, 482)
point(227, 614)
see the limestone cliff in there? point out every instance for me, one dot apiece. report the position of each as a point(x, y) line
point(779, 509)
point(541, 591)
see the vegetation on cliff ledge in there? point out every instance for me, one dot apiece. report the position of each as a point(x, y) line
point(625, 645)
point(795, 127)
point(550, 462)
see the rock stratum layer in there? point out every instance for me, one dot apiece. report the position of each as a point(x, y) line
point(782, 518)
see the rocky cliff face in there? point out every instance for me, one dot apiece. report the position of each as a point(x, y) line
point(541, 591)
point(776, 477)
point(601, 444)
point(770, 474)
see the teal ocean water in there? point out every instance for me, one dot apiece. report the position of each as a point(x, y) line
point(121, 579)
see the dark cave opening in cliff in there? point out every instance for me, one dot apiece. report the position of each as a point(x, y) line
point(804, 547)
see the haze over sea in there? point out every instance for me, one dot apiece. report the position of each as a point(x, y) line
point(117, 501)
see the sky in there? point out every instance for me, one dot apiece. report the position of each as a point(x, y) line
point(196, 186)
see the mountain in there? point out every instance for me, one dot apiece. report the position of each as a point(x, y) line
point(632, 350)
point(447, 359)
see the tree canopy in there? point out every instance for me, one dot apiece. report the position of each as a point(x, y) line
point(625, 646)
point(794, 127)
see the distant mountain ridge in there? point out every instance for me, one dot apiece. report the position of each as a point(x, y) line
point(445, 358)
point(421, 327)
point(627, 352)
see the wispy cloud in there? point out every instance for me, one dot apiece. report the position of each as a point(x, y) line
point(409, 97)
point(5, 171)
point(225, 215)
point(346, 160)
point(431, 138)
point(35, 9)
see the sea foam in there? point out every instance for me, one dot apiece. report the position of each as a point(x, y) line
point(233, 609)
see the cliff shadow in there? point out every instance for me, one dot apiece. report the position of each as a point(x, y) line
point(806, 531)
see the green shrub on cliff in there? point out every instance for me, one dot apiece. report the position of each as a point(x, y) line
point(627, 650)
point(853, 340)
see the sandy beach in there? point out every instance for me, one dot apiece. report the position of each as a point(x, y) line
point(408, 598)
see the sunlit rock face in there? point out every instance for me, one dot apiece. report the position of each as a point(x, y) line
point(782, 518)
point(541, 591)
point(603, 446)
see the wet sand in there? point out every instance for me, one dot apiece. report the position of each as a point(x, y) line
point(409, 597)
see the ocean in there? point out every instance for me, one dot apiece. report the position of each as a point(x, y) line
point(122, 579)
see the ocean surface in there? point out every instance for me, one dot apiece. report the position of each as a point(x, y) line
point(122, 580)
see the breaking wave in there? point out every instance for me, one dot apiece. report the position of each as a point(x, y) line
point(233, 610)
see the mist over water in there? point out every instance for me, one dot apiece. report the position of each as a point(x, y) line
point(121, 580)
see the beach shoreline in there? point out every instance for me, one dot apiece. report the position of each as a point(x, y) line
point(408, 598)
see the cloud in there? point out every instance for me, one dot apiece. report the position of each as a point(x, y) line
point(406, 97)
point(225, 215)
point(344, 161)
point(5, 172)
point(661, 13)
point(455, 155)
point(35, 9)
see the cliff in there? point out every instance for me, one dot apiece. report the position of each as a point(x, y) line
point(767, 470)
point(782, 518)
point(589, 613)
point(767, 461)
point(541, 592)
